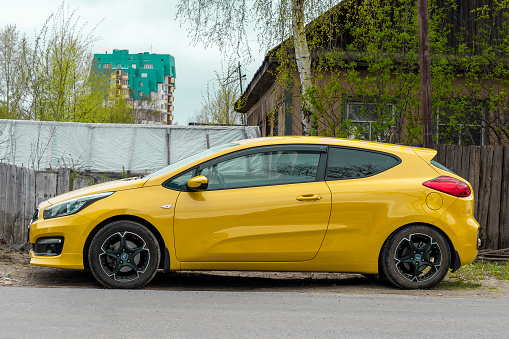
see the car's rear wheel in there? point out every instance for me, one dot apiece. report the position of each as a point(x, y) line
point(124, 254)
point(417, 256)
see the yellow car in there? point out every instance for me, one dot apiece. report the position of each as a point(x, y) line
point(269, 204)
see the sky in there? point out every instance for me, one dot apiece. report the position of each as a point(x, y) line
point(138, 26)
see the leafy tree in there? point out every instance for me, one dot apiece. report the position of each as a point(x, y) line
point(61, 62)
point(375, 61)
point(225, 23)
point(12, 76)
point(218, 105)
point(54, 79)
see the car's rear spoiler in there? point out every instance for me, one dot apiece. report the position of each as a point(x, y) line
point(426, 154)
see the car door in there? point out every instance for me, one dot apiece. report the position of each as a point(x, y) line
point(267, 204)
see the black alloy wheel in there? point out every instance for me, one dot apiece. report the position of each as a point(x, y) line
point(417, 256)
point(124, 254)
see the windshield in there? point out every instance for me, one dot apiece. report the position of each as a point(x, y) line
point(190, 159)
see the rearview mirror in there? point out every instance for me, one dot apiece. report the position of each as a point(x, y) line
point(198, 184)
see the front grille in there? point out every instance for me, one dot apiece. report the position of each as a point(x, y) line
point(48, 246)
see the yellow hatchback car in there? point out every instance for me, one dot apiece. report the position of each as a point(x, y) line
point(269, 204)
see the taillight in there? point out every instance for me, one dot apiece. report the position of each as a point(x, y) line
point(450, 186)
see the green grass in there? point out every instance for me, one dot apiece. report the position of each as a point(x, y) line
point(482, 270)
point(460, 285)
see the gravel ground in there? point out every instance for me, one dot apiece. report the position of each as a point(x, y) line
point(15, 270)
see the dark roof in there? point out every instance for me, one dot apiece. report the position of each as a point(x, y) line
point(261, 82)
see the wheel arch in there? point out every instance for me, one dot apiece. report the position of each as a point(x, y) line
point(455, 260)
point(128, 217)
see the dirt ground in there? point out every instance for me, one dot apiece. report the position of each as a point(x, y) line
point(15, 270)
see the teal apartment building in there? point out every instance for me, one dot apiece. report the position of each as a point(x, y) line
point(148, 80)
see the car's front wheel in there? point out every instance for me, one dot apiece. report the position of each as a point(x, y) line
point(416, 256)
point(124, 254)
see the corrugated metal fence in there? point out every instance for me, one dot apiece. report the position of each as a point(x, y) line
point(485, 167)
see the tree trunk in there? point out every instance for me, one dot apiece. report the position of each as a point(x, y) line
point(303, 59)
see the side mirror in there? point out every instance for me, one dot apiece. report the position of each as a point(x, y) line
point(198, 184)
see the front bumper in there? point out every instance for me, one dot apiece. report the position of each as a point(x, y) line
point(72, 230)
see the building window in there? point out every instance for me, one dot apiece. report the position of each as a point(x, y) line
point(140, 93)
point(461, 123)
point(148, 66)
point(143, 75)
point(106, 65)
point(125, 82)
point(133, 66)
point(370, 121)
point(140, 84)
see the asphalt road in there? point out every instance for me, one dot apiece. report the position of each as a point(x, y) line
point(100, 313)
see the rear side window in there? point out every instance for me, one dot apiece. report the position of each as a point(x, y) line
point(349, 163)
point(442, 167)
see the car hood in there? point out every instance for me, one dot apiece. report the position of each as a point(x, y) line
point(117, 185)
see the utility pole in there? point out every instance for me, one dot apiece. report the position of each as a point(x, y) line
point(425, 68)
point(242, 92)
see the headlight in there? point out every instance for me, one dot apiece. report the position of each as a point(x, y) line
point(72, 206)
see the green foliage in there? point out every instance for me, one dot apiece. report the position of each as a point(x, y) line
point(54, 79)
point(483, 270)
point(12, 73)
point(460, 284)
point(375, 62)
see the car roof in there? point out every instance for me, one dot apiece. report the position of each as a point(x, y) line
point(322, 141)
point(425, 153)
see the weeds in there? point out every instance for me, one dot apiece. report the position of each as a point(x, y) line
point(460, 285)
point(471, 276)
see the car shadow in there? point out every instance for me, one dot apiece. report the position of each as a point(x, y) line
point(265, 281)
point(228, 281)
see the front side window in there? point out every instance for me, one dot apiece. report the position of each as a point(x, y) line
point(348, 163)
point(180, 180)
point(263, 169)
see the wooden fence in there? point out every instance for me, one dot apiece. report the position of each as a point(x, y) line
point(22, 189)
point(487, 170)
point(485, 167)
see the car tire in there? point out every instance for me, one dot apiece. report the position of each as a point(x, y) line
point(124, 254)
point(416, 257)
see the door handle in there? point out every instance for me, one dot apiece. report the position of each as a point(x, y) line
point(309, 197)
